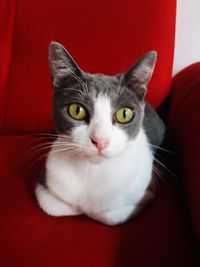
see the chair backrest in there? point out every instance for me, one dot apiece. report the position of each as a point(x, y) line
point(103, 36)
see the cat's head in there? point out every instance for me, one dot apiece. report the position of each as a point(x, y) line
point(100, 113)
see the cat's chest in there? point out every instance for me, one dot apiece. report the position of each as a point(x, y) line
point(81, 178)
point(99, 186)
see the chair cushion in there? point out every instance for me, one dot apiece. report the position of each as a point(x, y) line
point(184, 125)
point(160, 236)
point(108, 37)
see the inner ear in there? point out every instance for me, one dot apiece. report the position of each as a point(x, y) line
point(138, 76)
point(63, 67)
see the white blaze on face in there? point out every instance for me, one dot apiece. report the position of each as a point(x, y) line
point(100, 128)
point(101, 122)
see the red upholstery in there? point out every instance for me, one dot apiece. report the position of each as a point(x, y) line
point(103, 36)
point(6, 37)
point(107, 37)
point(184, 122)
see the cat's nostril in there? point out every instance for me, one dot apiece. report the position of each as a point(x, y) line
point(100, 143)
point(94, 142)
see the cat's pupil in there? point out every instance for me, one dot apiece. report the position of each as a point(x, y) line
point(77, 110)
point(124, 113)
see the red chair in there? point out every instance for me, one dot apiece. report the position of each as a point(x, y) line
point(103, 36)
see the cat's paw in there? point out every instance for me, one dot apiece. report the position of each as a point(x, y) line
point(116, 216)
point(52, 205)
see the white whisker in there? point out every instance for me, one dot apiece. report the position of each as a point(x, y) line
point(33, 162)
point(79, 80)
point(161, 164)
point(164, 149)
point(32, 154)
point(120, 83)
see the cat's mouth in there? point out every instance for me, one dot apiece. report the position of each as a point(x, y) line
point(98, 156)
point(96, 160)
point(102, 154)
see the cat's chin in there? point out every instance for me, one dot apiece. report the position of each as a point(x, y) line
point(97, 158)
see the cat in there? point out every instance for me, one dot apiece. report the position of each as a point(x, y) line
point(101, 163)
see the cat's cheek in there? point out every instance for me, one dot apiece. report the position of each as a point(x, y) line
point(113, 151)
point(118, 143)
point(82, 141)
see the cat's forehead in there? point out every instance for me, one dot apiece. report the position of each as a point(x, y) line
point(103, 84)
point(111, 87)
point(102, 79)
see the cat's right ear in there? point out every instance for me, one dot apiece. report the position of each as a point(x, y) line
point(62, 66)
point(138, 76)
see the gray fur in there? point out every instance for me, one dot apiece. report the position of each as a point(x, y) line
point(153, 125)
point(125, 90)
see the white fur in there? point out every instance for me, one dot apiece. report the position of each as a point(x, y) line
point(105, 185)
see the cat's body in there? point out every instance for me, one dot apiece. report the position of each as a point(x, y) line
point(100, 164)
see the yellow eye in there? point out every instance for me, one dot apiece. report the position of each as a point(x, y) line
point(77, 112)
point(124, 115)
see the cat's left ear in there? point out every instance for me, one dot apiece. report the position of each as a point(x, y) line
point(139, 75)
point(62, 66)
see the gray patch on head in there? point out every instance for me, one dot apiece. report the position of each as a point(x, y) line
point(61, 101)
point(97, 84)
point(120, 96)
point(127, 98)
point(71, 85)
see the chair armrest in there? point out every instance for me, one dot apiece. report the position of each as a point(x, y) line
point(184, 128)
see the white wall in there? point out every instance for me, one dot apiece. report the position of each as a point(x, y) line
point(187, 44)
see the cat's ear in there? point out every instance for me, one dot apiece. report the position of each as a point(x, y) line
point(61, 65)
point(139, 75)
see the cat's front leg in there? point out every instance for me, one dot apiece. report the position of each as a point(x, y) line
point(52, 205)
point(116, 216)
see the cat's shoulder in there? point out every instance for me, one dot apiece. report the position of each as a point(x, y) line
point(153, 125)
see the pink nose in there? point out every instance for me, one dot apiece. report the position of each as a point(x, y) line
point(100, 143)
